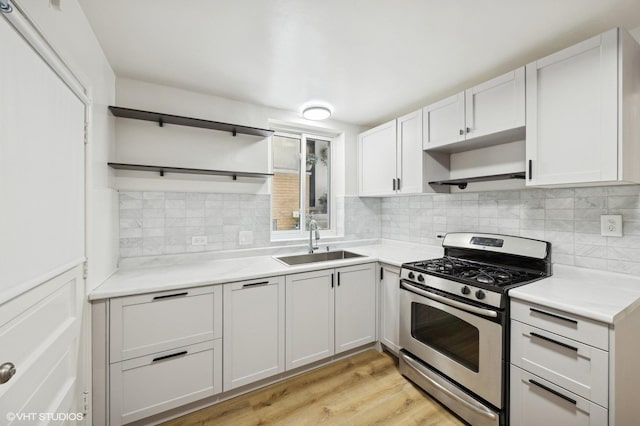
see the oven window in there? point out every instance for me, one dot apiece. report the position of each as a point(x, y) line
point(447, 334)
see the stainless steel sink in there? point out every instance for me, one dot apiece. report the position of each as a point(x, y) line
point(301, 259)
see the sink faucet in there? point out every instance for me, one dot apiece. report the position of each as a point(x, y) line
point(313, 226)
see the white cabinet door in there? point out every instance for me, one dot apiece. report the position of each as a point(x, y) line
point(535, 402)
point(309, 317)
point(572, 121)
point(443, 122)
point(409, 153)
point(253, 331)
point(355, 301)
point(389, 307)
point(496, 105)
point(377, 160)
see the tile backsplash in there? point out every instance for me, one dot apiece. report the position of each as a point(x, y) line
point(156, 223)
point(568, 218)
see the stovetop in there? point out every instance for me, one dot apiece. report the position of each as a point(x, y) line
point(474, 273)
point(480, 268)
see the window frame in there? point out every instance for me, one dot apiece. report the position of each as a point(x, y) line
point(301, 234)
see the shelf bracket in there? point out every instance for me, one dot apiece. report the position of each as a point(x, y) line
point(160, 122)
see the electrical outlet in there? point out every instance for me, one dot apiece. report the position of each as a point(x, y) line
point(199, 241)
point(245, 237)
point(611, 225)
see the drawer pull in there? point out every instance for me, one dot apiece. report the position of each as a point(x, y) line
point(255, 284)
point(538, 311)
point(556, 393)
point(161, 358)
point(564, 345)
point(167, 296)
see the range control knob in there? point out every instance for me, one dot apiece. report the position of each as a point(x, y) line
point(411, 275)
point(465, 290)
point(480, 294)
point(420, 278)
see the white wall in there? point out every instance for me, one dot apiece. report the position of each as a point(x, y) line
point(146, 143)
point(68, 31)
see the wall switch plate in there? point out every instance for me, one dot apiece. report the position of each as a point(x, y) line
point(245, 237)
point(611, 225)
point(199, 241)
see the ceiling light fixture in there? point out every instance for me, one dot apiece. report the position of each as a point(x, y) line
point(316, 113)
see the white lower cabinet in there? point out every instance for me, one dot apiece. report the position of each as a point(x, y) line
point(253, 330)
point(324, 318)
point(538, 402)
point(559, 368)
point(147, 385)
point(355, 306)
point(389, 307)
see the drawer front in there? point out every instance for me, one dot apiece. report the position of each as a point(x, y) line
point(583, 330)
point(151, 323)
point(579, 368)
point(152, 384)
point(535, 402)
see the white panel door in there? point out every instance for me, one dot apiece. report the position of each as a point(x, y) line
point(42, 229)
point(390, 307)
point(496, 105)
point(443, 122)
point(309, 317)
point(253, 330)
point(377, 160)
point(409, 153)
point(572, 121)
point(355, 298)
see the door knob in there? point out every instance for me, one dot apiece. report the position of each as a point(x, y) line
point(7, 370)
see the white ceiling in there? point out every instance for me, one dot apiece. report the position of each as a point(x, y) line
point(369, 59)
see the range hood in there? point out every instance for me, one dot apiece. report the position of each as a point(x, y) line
point(463, 182)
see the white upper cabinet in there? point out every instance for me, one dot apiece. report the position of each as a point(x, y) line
point(377, 160)
point(390, 157)
point(444, 122)
point(487, 114)
point(495, 106)
point(409, 153)
point(581, 126)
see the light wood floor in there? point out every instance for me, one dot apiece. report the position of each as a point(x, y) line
point(365, 389)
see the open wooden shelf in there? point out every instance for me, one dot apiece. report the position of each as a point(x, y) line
point(162, 170)
point(161, 119)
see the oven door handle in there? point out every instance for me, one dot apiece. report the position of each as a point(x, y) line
point(450, 302)
point(477, 408)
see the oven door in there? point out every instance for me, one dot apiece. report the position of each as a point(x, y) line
point(461, 341)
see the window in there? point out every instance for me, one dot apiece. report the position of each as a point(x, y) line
point(301, 185)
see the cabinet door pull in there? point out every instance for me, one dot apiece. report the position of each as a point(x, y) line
point(538, 311)
point(167, 296)
point(398, 184)
point(255, 284)
point(381, 273)
point(530, 169)
point(468, 129)
point(338, 279)
point(331, 280)
point(161, 358)
point(564, 345)
point(556, 393)
point(461, 132)
point(394, 184)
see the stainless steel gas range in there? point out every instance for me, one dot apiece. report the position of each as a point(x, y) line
point(454, 320)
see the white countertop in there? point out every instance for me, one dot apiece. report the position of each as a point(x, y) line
point(182, 272)
point(599, 295)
